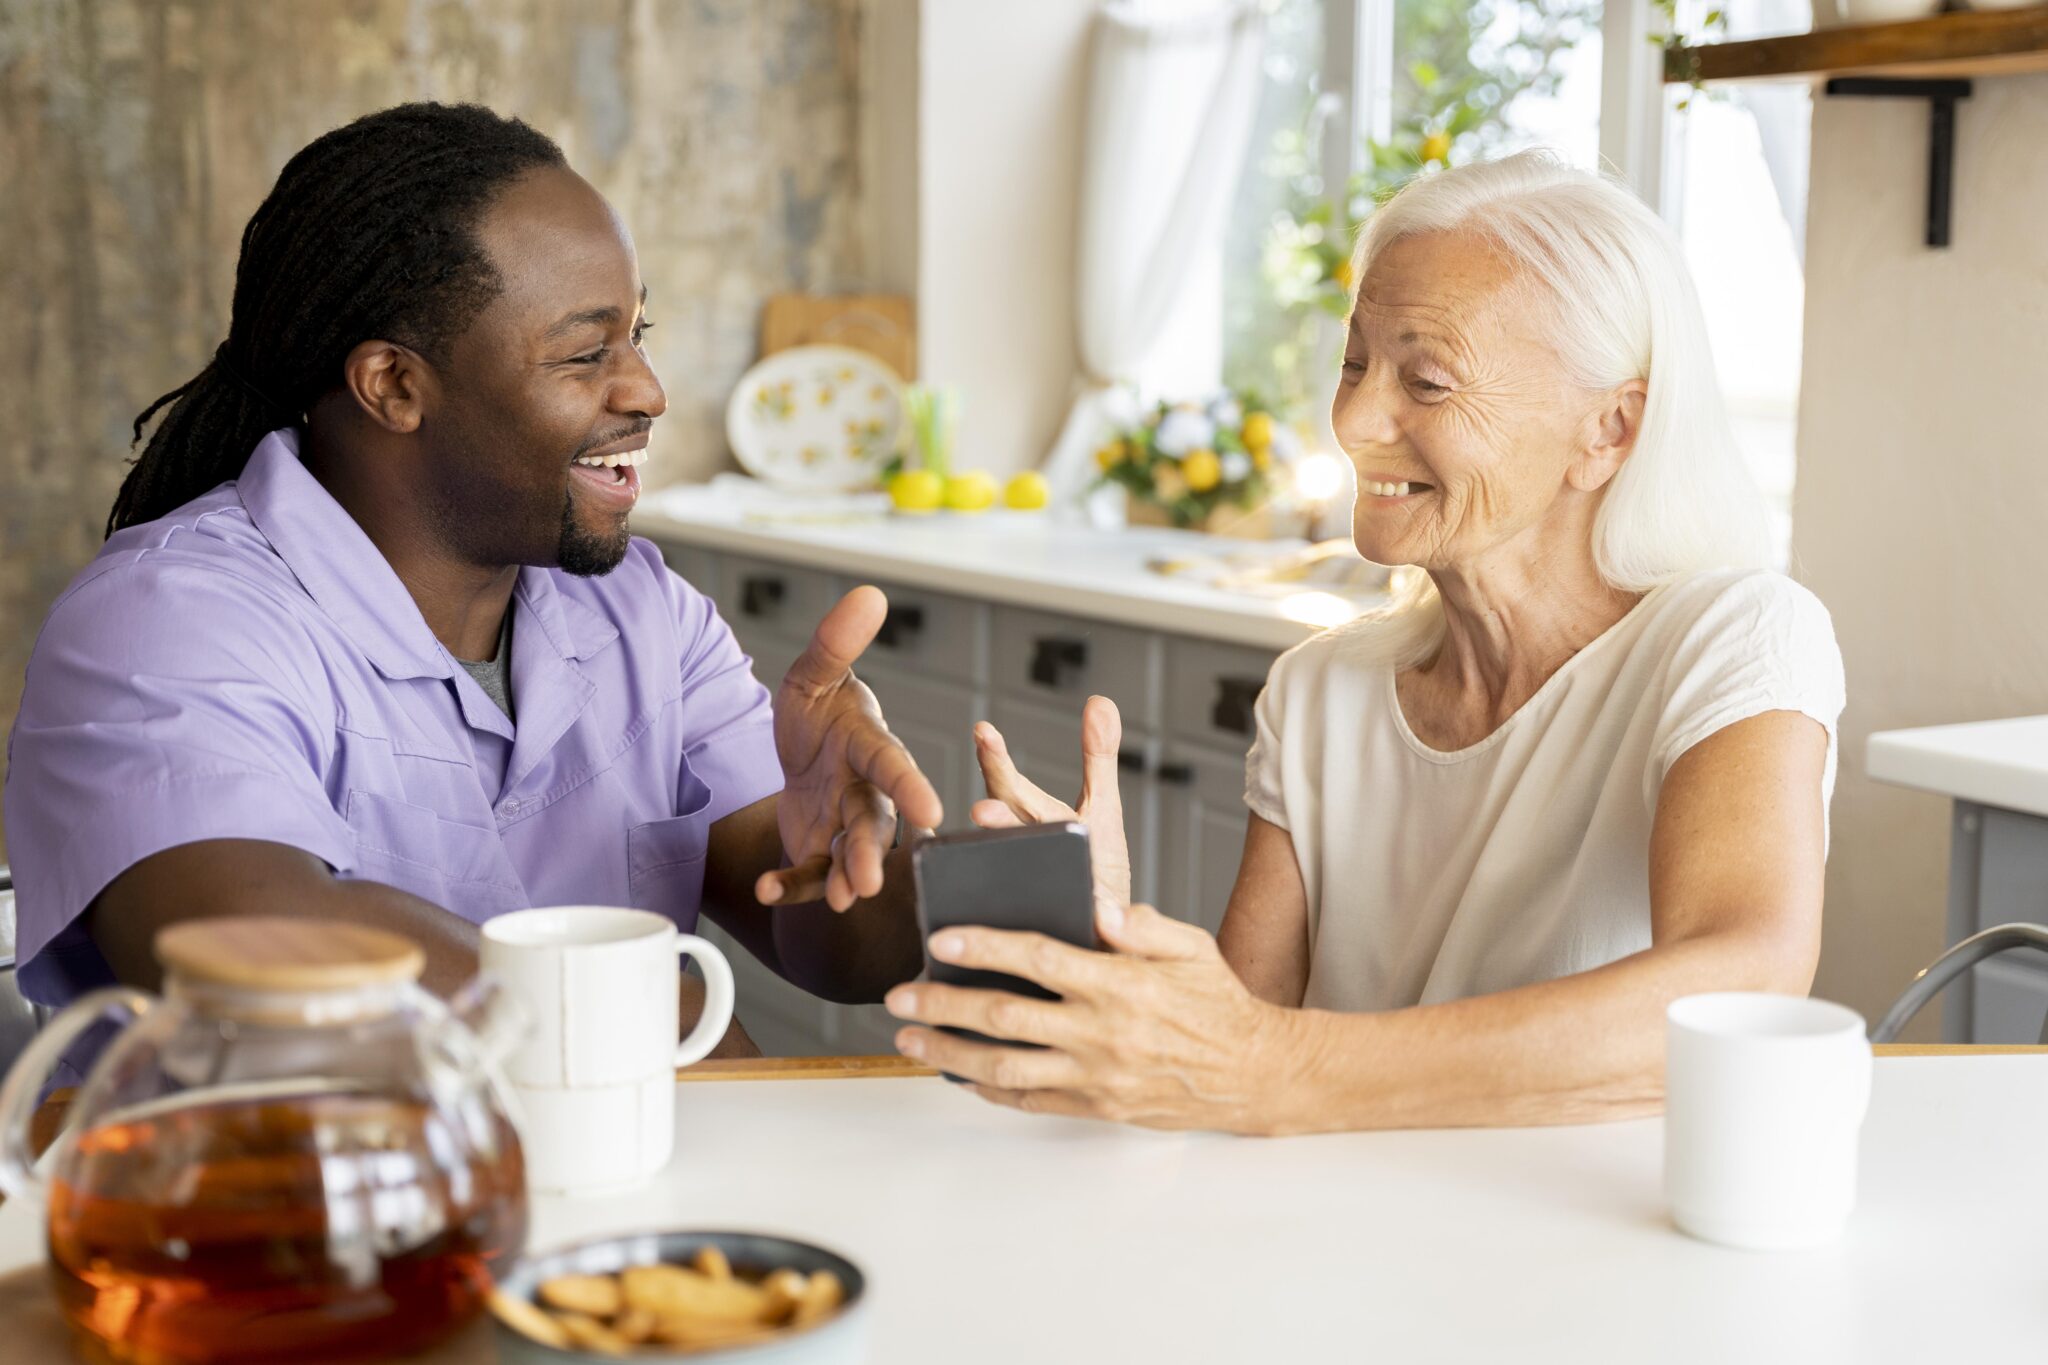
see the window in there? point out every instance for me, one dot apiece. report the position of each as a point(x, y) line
point(1362, 91)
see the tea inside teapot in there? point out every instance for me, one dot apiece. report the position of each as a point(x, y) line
point(297, 1155)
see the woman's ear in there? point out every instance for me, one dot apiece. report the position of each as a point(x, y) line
point(389, 383)
point(1615, 425)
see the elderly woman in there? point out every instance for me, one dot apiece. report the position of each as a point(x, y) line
point(1579, 768)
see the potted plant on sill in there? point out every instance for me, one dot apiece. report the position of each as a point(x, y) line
point(1214, 466)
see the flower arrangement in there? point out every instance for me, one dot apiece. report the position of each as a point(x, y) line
point(1191, 459)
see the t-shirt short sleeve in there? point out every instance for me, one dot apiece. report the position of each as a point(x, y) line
point(1762, 643)
point(140, 731)
point(729, 728)
point(1264, 788)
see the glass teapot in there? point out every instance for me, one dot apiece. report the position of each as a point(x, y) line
point(296, 1154)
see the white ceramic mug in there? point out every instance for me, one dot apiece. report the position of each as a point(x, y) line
point(595, 1077)
point(1764, 1101)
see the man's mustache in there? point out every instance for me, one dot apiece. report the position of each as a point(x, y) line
point(639, 428)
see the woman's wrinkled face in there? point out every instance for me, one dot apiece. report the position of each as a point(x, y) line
point(1454, 409)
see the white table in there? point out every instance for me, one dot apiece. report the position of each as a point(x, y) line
point(1996, 774)
point(995, 1237)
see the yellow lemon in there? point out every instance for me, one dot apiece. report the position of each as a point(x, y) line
point(1258, 431)
point(916, 490)
point(1027, 492)
point(1202, 470)
point(1110, 456)
point(1342, 275)
point(1436, 147)
point(973, 491)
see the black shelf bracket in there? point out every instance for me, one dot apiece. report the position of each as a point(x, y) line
point(1941, 97)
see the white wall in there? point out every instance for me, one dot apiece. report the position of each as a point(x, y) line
point(1001, 88)
point(1921, 512)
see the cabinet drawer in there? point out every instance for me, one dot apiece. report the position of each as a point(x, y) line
point(762, 597)
point(772, 654)
point(698, 568)
point(1210, 689)
point(931, 633)
point(935, 721)
point(2008, 1001)
point(1202, 818)
point(1056, 658)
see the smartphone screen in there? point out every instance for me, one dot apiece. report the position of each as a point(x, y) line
point(1035, 878)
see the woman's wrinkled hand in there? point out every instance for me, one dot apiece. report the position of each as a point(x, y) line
point(1014, 799)
point(1159, 1031)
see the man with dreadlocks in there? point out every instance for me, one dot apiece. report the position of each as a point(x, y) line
point(369, 638)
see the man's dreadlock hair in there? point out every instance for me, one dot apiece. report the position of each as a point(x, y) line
point(369, 232)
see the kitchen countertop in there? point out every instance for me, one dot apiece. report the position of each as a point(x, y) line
point(1023, 559)
point(998, 1237)
point(1993, 762)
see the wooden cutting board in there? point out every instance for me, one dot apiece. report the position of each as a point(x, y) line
point(883, 325)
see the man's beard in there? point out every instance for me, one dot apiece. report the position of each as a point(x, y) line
point(586, 555)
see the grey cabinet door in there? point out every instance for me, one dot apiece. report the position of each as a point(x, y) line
point(1202, 818)
point(2009, 1001)
point(935, 721)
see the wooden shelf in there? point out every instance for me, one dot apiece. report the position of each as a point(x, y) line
point(1990, 43)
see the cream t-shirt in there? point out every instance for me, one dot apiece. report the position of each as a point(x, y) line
point(1432, 876)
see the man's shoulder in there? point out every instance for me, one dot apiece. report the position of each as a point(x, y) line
point(205, 551)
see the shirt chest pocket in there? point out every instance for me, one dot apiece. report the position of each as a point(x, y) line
point(665, 858)
point(457, 866)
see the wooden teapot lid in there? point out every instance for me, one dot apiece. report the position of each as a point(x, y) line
point(278, 953)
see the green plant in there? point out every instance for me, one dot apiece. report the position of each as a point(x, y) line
point(1681, 58)
point(1463, 65)
point(1189, 459)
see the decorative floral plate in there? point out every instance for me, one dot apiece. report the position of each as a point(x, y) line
point(818, 418)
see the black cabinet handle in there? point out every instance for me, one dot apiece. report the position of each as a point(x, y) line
point(758, 593)
point(897, 623)
point(1131, 760)
point(1177, 774)
point(1235, 698)
point(1052, 654)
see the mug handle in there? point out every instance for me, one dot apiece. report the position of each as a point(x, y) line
point(18, 1096)
point(711, 1025)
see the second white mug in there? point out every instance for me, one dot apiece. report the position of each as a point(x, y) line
point(1764, 1104)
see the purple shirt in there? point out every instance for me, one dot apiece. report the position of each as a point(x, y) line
point(250, 667)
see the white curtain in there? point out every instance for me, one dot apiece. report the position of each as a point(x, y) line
point(1783, 110)
point(1171, 100)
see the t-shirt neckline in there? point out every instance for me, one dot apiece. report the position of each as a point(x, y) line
point(1499, 733)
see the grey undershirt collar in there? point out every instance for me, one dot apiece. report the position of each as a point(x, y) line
point(494, 675)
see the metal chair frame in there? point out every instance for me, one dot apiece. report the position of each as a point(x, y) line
point(1990, 942)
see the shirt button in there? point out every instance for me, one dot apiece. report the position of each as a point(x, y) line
point(512, 807)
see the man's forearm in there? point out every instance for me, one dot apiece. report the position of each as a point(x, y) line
point(1580, 1049)
point(855, 955)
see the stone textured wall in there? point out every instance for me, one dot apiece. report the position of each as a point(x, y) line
point(136, 136)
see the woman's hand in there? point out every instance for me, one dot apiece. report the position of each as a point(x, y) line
point(1015, 800)
point(1159, 1032)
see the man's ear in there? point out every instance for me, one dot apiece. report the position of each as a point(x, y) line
point(1615, 425)
point(390, 383)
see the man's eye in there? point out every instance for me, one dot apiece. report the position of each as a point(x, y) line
point(642, 330)
point(595, 357)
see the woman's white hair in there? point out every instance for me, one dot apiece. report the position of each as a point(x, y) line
point(1622, 306)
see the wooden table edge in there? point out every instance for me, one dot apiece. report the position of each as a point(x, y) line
point(888, 1066)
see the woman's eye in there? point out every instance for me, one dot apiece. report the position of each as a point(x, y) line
point(1353, 367)
point(1427, 388)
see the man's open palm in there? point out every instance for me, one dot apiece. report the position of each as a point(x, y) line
point(844, 775)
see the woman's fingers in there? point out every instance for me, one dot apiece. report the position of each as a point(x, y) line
point(1059, 967)
point(1011, 787)
point(994, 815)
point(1102, 739)
point(1141, 931)
point(998, 1014)
point(1061, 1103)
point(991, 1064)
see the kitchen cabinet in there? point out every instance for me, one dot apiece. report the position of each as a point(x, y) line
point(945, 660)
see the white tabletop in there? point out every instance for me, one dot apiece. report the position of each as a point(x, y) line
point(1995, 762)
point(1025, 559)
point(996, 1237)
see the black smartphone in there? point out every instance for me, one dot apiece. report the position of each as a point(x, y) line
point(1034, 877)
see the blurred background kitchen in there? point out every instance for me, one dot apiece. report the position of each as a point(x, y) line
point(1107, 245)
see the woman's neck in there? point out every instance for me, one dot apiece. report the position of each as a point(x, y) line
point(1509, 624)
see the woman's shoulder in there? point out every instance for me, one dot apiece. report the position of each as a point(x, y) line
point(1730, 624)
point(1735, 603)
